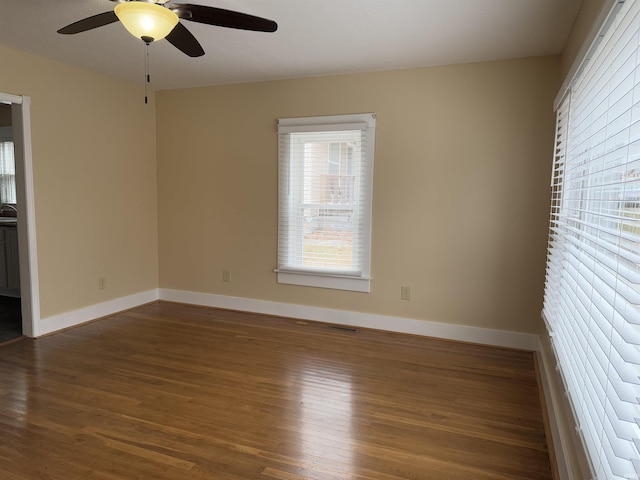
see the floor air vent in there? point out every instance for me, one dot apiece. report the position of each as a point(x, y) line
point(343, 329)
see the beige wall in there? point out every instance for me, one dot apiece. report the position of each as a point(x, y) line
point(95, 181)
point(461, 191)
point(460, 195)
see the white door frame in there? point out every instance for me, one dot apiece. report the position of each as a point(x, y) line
point(27, 247)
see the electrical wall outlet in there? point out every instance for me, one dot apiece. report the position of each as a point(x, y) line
point(102, 283)
point(405, 293)
point(226, 275)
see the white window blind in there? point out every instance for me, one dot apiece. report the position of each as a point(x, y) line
point(325, 194)
point(592, 291)
point(7, 173)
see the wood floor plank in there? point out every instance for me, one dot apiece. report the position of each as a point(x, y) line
point(169, 391)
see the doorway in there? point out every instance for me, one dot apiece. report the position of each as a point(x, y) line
point(25, 305)
point(10, 302)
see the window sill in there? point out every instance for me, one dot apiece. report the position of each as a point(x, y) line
point(336, 282)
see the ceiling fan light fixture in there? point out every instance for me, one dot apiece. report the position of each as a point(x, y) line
point(147, 20)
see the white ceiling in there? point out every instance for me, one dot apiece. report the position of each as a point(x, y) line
point(314, 37)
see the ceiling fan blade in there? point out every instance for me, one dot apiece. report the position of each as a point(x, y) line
point(89, 23)
point(159, 2)
point(223, 18)
point(183, 40)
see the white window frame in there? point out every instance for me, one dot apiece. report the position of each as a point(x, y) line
point(360, 280)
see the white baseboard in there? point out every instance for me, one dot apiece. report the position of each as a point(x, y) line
point(93, 312)
point(486, 336)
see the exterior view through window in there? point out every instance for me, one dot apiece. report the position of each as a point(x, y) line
point(328, 200)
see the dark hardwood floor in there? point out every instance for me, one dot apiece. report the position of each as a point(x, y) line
point(10, 319)
point(170, 391)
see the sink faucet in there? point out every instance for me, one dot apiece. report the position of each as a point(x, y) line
point(4, 207)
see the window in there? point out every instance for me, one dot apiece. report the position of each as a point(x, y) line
point(324, 204)
point(592, 291)
point(7, 167)
point(7, 173)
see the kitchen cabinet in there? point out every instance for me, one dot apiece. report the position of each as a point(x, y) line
point(9, 264)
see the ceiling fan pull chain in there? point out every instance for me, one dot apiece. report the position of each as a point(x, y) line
point(147, 76)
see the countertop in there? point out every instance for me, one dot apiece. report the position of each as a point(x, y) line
point(8, 221)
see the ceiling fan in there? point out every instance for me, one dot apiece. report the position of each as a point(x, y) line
point(152, 20)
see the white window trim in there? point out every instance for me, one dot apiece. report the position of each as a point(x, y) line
point(335, 280)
